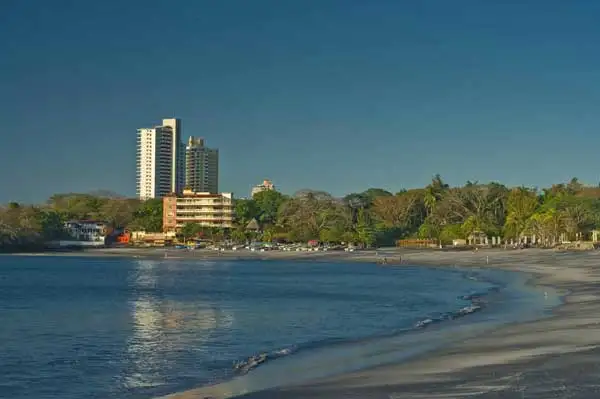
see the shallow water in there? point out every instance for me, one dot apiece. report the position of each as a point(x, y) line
point(133, 328)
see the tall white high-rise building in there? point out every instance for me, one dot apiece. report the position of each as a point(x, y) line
point(154, 158)
point(160, 160)
point(201, 167)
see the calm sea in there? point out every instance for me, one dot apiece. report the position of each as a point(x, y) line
point(131, 328)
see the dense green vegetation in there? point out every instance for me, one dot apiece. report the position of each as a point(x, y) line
point(437, 212)
point(29, 227)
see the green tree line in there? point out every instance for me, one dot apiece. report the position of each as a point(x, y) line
point(31, 226)
point(437, 212)
point(372, 217)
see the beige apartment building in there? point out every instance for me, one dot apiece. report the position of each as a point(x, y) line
point(205, 209)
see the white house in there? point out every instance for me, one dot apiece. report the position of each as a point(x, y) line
point(87, 230)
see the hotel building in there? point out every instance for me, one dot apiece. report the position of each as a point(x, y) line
point(203, 208)
point(201, 167)
point(160, 165)
point(265, 186)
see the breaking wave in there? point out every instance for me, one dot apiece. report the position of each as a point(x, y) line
point(476, 302)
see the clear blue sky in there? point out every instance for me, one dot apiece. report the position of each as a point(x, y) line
point(333, 95)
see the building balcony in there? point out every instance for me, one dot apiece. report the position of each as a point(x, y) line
point(227, 225)
point(203, 211)
point(203, 214)
point(203, 220)
point(210, 209)
point(202, 205)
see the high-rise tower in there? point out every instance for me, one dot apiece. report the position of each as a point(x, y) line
point(160, 160)
point(154, 158)
point(178, 166)
point(201, 167)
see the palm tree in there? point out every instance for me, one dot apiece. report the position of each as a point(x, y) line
point(430, 199)
point(433, 193)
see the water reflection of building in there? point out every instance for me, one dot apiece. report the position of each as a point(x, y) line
point(162, 328)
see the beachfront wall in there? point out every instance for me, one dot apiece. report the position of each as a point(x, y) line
point(144, 238)
point(416, 243)
point(76, 244)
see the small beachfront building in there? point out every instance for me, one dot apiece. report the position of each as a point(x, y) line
point(87, 230)
point(253, 226)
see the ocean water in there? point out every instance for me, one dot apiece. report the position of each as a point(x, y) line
point(81, 327)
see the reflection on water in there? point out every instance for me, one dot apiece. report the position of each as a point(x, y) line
point(133, 328)
point(163, 327)
point(147, 340)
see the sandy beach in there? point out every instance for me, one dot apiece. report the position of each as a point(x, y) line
point(556, 357)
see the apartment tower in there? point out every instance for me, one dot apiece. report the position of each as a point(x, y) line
point(154, 158)
point(178, 166)
point(160, 160)
point(201, 167)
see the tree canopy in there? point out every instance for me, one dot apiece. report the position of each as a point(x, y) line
point(374, 216)
point(437, 212)
point(31, 226)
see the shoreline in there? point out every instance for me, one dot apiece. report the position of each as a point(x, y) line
point(534, 359)
point(540, 358)
point(383, 348)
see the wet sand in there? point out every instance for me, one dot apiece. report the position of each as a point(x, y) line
point(555, 357)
